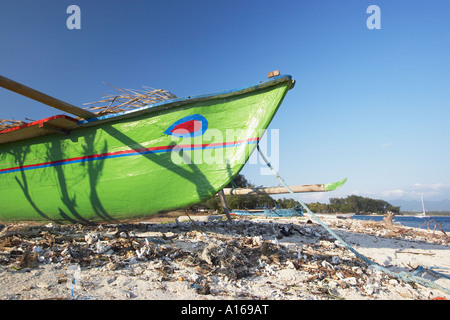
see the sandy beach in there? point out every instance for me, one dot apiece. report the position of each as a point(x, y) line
point(212, 259)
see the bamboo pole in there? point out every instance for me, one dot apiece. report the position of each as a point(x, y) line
point(44, 98)
point(280, 190)
point(224, 203)
point(275, 190)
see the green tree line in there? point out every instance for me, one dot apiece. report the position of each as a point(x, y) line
point(359, 204)
point(350, 204)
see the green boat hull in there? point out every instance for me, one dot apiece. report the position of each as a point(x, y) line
point(134, 164)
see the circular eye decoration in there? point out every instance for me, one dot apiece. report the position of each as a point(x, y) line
point(188, 127)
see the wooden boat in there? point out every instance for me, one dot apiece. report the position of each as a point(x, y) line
point(135, 163)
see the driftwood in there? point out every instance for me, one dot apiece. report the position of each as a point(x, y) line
point(435, 226)
point(388, 220)
point(21, 230)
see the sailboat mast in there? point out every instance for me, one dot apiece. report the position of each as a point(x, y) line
point(423, 207)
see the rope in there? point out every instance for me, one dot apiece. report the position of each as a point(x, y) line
point(196, 225)
point(76, 298)
point(407, 277)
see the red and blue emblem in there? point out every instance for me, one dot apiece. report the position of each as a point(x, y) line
point(191, 126)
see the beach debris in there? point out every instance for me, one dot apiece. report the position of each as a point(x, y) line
point(435, 225)
point(220, 255)
point(129, 99)
point(388, 220)
point(28, 260)
point(439, 298)
point(7, 123)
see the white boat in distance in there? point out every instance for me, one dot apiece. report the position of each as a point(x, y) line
point(424, 214)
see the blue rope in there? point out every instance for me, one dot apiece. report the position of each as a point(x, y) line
point(76, 298)
point(439, 274)
point(71, 290)
point(407, 277)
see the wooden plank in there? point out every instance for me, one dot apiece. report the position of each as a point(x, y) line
point(223, 201)
point(44, 98)
point(273, 74)
point(53, 128)
point(61, 124)
point(274, 190)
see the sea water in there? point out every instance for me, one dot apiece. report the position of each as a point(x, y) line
point(414, 221)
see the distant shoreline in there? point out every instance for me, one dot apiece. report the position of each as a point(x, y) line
point(429, 214)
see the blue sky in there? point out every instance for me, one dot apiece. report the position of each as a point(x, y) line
point(370, 105)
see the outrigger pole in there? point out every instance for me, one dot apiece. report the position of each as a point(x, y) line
point(44, 98)
point(275, 190)
point(281, 190)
